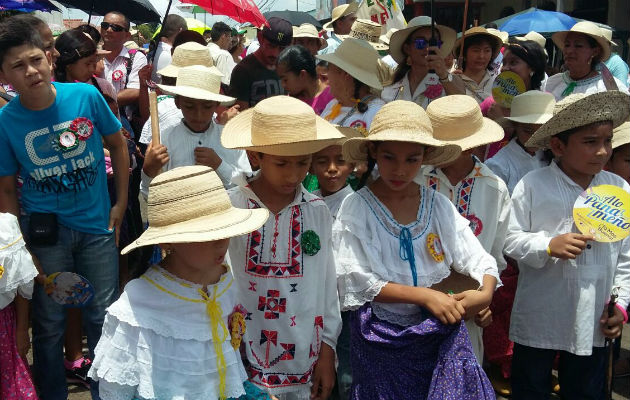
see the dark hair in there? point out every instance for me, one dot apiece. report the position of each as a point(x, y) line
point(403, 68)
point(90, 30)
point(322, 63)
point(371, 163)
point(298, 58)
point(125, 19)
point(598, 58)
point(361, 106)
point(30, 20)
point(72, 46)
point(533, 55)
point(14, 33)
point(476, 40)
point(564, 136)
point(174, 24)
point(188, 36)
point(219, 29)
point(491, 25)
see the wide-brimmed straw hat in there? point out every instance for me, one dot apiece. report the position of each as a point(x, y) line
point(457, 119)
point(190, 205)
point(504, 36)
point(447, 36)
point(307, 30)
point(578, 110)
point(494, 40)
point(358, 58)
point(185, 55)
point(532, 107)
point(386, 37)
point(341, 11)
point(586, 28)
point(402, 121)
point(621, 135)
point(608, 34)
point(281, 126)
point(535, 37)
point(198, 82)
point(367, 30)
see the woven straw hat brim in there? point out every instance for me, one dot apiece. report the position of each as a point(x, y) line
point(355, 149)
point(621, 135)
point(301, 34)
point(496, 42)
point(588, 29)
point(231, 223)
point(447, 35)
point(489, 132)
point(351, 8)
point(170, 70)
point(604, 106)
point(531, 118)
point(196, 93)
point(237, 134)
point(370, 78)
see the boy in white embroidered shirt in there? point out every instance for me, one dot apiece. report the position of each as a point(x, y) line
point(566, 278)
point(196, 140)
point(286, 270)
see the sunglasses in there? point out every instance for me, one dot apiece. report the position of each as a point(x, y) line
point(116, 28)
point(422, 43)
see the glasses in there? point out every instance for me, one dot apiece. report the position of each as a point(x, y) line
point(116, 28)
point(422, 43)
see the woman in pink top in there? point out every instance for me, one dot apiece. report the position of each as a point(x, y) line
point(298, 75)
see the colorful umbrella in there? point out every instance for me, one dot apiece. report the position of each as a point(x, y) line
point(540, 21)
point(27, 5)
point(238, 10)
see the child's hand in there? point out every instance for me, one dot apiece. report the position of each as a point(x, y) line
point(474, 301)
point(483, 318)
point(323, 374)
point(23, 342)
point(569, 245)
point(208, 157)
point(445, 307)
point(611, 327)
point(155, 158)
point(228, 114)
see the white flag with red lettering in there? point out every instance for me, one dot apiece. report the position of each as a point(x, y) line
point(385, 12)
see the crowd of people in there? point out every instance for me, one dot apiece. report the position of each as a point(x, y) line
point(344, 214)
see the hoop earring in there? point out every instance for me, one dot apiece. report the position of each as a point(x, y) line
point(408, 61)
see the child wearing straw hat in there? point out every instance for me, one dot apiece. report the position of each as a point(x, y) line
point(352, 73)
point(286, 270)
point(529, 111)
point(306, 35)
point(176, 330)
point(394, 239)
point(572, 318)
point(620, 160)
point(197, 139)
point(477, 193)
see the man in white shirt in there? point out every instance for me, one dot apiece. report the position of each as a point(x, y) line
point(173, 25)
point(221, 38)
point(342, 19)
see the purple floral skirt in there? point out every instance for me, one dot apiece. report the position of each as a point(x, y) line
point(15, 379)
point(426, 361)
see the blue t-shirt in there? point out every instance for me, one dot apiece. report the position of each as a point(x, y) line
point(70, 183)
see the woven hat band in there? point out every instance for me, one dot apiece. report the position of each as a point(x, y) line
point(200, 79)
point(365, 36)
point(275, 126)
point(184, 199)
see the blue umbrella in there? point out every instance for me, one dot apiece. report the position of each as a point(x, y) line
point(27, 5)
point(540, 21)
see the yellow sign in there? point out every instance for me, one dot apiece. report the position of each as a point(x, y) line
point(1, 271)
point(603, 212)
point(506, 86)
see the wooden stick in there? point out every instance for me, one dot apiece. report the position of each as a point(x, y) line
point(155, 121)
point(460, 59)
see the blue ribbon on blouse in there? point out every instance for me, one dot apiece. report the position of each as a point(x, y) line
point(406, 252)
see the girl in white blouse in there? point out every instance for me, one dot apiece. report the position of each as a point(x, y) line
point(395, 239)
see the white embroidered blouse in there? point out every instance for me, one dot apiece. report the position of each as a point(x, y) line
point(370, 253)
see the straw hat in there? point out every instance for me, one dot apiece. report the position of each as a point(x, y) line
point(608, 34)
point(367, 30)
point(589, 29)
point(198, 82)
point(358, 58)
point(494, 40)
point(190, 205)
point(386, 37)
point(307, 30)
point(532, 107)
point(281, 126)
point(504, 36)
point(447, 36)
point(457, 119)
point(185, 55)
point(131, 45)
point(534, 36)
point(621, 135)
point(341, 11)
point(402, 121)
point(580, 109)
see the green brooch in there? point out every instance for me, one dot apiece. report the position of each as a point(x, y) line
point(310, 243)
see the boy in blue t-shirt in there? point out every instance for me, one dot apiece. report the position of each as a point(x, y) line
point(51, 136)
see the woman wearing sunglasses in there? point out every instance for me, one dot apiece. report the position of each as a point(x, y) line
point(421, 75)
